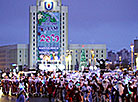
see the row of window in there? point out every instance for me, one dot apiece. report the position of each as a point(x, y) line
point(87, 51)
point(34, 25)
point(34, 14)
point(96, 55)
point(34, 35)
point(21, 56)
point(96, 51)
point(63, 30)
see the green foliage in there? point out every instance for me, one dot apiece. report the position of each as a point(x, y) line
point(46, 17)
point(83, 59)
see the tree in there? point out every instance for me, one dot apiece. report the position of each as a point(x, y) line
point(82, 60)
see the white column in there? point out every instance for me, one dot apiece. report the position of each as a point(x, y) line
point(131, 46)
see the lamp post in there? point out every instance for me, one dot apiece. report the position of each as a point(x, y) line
point(66, 58)
point(89, 62)
point(119, 61)
point(132, 46)
point(136, 60)
point(69, 59)
point(92, 52)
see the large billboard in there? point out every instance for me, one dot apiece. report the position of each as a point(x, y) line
point(48, 35)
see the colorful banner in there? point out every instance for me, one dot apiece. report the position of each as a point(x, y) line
point(48, 34)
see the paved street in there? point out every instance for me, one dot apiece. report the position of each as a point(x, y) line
point(13, 99)
point(4, 98)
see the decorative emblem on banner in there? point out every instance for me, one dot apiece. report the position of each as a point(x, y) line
point(49, 5)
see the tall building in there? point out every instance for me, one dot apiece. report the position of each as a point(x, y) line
point(111, 56)
point(136, 46)
point(92, 51)
point(16, 55)
point(123, 56)
point(48, 33)
point(135, 50)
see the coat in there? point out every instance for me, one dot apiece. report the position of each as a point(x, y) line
point(21, 98)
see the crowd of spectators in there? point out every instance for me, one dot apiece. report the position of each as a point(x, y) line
point(73, 86)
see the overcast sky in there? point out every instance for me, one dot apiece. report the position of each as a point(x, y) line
point(110, 22)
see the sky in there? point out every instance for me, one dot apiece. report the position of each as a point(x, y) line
point(110, 22)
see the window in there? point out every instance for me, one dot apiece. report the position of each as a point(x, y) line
point(39, 3)
point(86, 51)
point(76, 55)
point(71, 52)
point(20, 51)
point(33, 26)
point(20, 60)
point(96, 51)
point(76, 51)
point(63, 27)
point(34, 14)
point(101, 55)
point(33, 22)
point(63, 31)
point(63, 44)
point(33, 39)
point(86, 59)
point(33, 57)
point(102, 51)
point(33, 18)
point(63, 40)
point(33, 44)
point(33, 35)
point(63, 35)
point(96, 55)
point(33, 31)
point(63, 23)
point(63, 14)
point(33, 48)
point(86, 55)
point(33, 53)
point(63, 18)
point(20, 55)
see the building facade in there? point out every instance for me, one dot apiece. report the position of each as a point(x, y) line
point(92, 52)
point(123, 55)
point(111, 56)
point(16, 55)
point(48, 32)
point(135, 51)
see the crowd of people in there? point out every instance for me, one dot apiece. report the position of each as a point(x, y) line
point(73, 86)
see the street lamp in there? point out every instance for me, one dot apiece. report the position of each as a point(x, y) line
point(136, 60)
point(92, 52)
point(132, 46)
point(66, 58)
point(89, 62)
point(119, 61)
point(69, 59)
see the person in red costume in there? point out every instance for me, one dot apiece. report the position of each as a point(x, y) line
point(70, 93)
point(50, 89)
